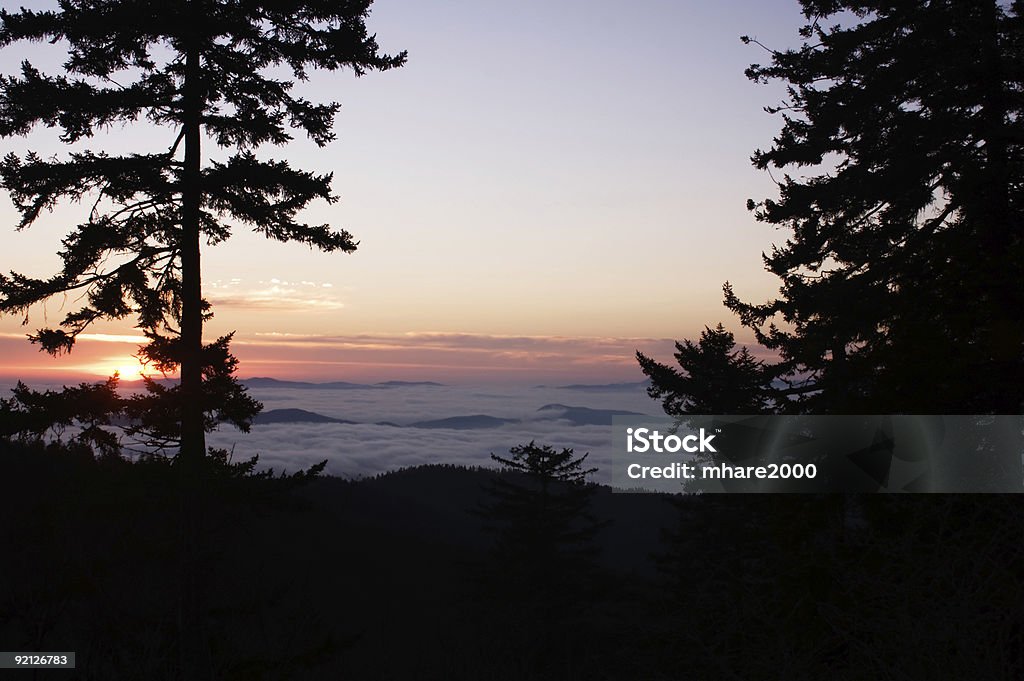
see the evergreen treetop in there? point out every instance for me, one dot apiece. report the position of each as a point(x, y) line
point(716, 378)
point(540, 515)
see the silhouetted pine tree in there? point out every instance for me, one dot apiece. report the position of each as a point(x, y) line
point(215, 70)
point(716, 378)
point(542, 527)
point(901, 282)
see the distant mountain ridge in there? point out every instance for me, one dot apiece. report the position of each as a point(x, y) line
point(268, 382)
point(585, 416)
point(294, 416)
point(577, 416)
point(265, 382)
point(411, 384)
point(471, 422)
point(601, 387)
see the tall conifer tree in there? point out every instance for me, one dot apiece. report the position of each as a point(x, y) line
point(902, 281)
point(202, 73)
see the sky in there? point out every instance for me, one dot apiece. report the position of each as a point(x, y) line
point(543, 189)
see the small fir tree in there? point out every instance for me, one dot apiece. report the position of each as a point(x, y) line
point(714, 378)
point(539, 516)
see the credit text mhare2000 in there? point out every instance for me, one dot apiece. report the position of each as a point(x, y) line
point(687, 471)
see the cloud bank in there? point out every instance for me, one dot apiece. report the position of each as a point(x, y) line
point(365, 448)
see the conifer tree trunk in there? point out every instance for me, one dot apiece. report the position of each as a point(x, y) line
point(193, 436)
point(193, 440)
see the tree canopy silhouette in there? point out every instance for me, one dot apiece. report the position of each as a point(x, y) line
point(202, 72)
point(541, 523)
point(902, 145)
point(716, 378)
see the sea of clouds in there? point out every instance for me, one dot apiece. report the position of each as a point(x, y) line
point(365, 448)
point(369, 447)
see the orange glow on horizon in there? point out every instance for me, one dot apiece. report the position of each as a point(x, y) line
point(126, 369)
point(129, 372)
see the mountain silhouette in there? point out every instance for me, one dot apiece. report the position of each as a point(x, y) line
point(294, 416)
point(265, 382)
point(576, 416)
point(584, 416)
point(410, 384)
point(603, 387)
point(471, 422)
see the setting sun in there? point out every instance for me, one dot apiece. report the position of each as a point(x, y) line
point(130, 372)
point(125, 369)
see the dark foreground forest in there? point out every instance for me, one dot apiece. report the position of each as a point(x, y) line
point(397, 577)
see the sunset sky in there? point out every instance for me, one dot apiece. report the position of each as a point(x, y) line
point(543, 189)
